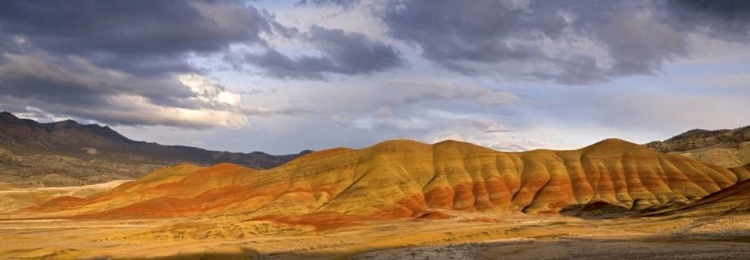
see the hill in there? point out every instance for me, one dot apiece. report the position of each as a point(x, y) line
point(67, 153)
point(407, 179)
point(725, 147)
point(732, 200)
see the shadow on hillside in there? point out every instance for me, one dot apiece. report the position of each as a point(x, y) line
point(598, 210)
point(246, 253)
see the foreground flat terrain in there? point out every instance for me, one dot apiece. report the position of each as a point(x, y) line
point(517, 236)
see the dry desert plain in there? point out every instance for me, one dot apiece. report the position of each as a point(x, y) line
point(514, 236)
point(400, 200)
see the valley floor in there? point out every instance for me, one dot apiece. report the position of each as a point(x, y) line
point(509, 236)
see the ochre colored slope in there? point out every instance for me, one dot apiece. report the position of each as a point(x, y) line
point(732, 200)
point(16, 198)
point(401, 179)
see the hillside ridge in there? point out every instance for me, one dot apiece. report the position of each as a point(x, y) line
point(731, 200)
point(724, 147)
point(79, 154)
point(409, 179)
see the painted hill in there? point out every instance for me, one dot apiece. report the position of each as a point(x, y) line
point(69, 153)
point(725, 147)
point(732, 200)
point(407, 179)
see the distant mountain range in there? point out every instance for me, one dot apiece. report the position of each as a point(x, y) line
point(725, 147)
point(68, 153)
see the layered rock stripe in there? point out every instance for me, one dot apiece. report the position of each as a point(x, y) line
point(732, 200)
point(407, 179)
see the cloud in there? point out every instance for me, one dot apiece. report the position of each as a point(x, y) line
point(417, 91)
point(346, 53)
point(128, 110)
point(339, 121)
point(488, 126)
point(265, 112)
point(384, 69)
point(121, 63)
point(346, 4)
point(567, 42)
point(75, 87)
point(383, 112)
point(207, 91)
point(137, 38)
point(720, 19)
point(78, 81)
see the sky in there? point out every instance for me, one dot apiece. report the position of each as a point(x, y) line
point(285, 76)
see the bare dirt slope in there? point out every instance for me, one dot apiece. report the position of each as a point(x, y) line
point(514, 236)
point(12, 199)
point(406, 179)
point(732, 200)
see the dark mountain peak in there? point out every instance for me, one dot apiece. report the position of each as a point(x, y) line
point(73, 126)
point(6, 116)
point(105, 131)
point(69, 123)
point(69, 136)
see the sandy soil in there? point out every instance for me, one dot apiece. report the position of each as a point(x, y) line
point(12, 199)
point(516, 236)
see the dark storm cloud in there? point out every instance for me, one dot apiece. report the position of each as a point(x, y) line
point(123, 27)
point(126, 34)
point(355, 53)
point(97, 59)
point(276, 64)
point(537, 40)
point(727, 19)
point(78, 89)
point(473, 37)
point(342, 53)
point(91, 59)
point(60, 79)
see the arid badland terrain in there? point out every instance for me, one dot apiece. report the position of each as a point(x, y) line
point(402, 199)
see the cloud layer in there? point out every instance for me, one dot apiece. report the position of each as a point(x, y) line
point(114, 61)
point(568, 42)
point(342, 53)
point(510, 74)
